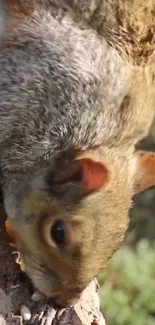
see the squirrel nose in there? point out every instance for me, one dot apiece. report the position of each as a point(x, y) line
point(63, 301)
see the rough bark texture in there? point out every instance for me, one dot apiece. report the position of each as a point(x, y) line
point(16, 290)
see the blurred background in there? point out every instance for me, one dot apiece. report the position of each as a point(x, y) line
point(127, 289)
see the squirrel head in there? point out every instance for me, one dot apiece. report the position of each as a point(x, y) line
point(75, 218)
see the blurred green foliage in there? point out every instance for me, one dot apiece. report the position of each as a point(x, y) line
point(128, 287)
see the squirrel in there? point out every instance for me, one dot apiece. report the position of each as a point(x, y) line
point(77, 92)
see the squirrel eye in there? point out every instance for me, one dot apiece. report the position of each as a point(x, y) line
point(58, 231)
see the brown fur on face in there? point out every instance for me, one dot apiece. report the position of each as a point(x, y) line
point(95, 221)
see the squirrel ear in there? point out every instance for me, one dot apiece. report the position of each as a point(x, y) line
point(93, 174)
point(81, 177)
point(145, 174)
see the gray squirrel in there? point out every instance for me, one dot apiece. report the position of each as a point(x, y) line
point(77, 92)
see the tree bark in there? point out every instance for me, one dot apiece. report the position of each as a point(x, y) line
point(15, 290)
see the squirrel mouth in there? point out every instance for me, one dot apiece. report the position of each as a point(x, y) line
point(63, 302)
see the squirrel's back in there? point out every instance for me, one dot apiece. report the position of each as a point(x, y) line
point(67, 87)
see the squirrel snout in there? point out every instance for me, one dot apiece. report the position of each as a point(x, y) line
point(51, 287)
point(63, 301)
point(68, 297)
